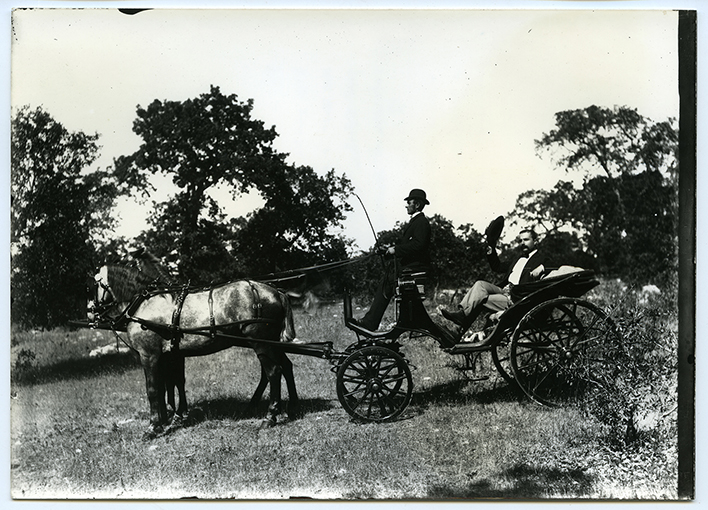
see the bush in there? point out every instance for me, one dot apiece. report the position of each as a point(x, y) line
point(642, 401)
point(24, 366)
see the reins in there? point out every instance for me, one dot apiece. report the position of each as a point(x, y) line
point(173, 330)
point(301, 272)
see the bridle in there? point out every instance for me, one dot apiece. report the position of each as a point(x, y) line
point(104, 297)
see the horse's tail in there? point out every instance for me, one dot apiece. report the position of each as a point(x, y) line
point(287, 333)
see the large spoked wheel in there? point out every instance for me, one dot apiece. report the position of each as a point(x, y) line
point(565, 352)
point(374, 384)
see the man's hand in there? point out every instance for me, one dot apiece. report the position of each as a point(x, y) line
point(386, 251)
point(538, 271)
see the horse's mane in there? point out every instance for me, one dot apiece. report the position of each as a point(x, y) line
point(145, 272)
point(152, 267)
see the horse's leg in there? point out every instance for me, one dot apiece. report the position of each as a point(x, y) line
point(260, 389)
point(173, 371)
point(180, 384)
point(168, 378)
point(155, 386)
point(293, 400)
point(273, 372)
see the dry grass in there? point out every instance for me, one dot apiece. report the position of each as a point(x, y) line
point(77, 424)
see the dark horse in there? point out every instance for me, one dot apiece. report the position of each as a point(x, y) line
point(165, 325)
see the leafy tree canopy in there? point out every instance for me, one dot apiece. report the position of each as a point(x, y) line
point(59, 207)
point(617, 141)
point(212, 140)
point(625, 215)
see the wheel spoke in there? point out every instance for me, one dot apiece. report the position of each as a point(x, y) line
point(374, 384)
point(560, 349)
point(545, 376)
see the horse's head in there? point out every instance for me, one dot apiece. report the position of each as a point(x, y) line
point(102, 297)
point(116, 286)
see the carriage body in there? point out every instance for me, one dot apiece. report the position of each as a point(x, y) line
point(558, 348)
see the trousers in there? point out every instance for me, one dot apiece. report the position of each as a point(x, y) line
point(487, 294)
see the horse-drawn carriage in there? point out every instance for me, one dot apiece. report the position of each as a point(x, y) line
point(558, 348)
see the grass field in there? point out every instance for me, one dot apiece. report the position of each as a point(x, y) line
point(78, 420)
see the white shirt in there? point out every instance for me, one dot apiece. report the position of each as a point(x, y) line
point(515, 275)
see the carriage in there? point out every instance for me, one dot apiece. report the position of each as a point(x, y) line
point(558, 348)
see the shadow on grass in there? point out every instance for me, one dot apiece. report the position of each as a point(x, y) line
point(76, 369)
point(240, 409)
point(452, 393)
point(523, 482)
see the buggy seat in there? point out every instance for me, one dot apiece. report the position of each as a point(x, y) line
point(527, 296)
point(573, 284)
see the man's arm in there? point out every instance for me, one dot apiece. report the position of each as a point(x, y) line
point(417, 240)
point(494, 262)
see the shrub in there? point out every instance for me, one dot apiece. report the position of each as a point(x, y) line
point(24, 364)
point(641, 403)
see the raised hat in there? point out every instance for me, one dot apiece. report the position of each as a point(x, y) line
point(494, 230)
point(419, 194)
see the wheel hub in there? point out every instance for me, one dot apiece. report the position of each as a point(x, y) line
point(375, 384)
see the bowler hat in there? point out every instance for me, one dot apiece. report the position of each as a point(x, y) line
point(419, 194)
point(494, 230)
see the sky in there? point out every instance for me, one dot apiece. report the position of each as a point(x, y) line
point(449, 101)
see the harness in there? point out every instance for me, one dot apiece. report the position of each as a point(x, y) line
point(176, 314)
point(257, 305)
point(172, 331)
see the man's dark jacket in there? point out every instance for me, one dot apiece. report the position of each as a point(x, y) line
point(507, 267)
point(414, 247)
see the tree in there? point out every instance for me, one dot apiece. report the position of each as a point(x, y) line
point(548, 211)
point(618, 141)
point(640, 244)
point(213, 140)
point(626, 215)
point(294, 227)
point(458, 255)
point(211, 261)
point(58, 208)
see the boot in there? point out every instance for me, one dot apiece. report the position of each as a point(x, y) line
point(457, 317)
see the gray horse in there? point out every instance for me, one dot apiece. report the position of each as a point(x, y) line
point(165, 325)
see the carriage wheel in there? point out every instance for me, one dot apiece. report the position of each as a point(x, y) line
point(565, 351)
point(501, 356)
point(374, 384)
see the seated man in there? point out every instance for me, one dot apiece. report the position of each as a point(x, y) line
point(413, 251)
point(526, 268)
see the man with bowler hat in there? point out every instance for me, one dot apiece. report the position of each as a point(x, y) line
point(413, 252)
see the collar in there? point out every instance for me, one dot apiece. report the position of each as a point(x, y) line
point(531, 254)
point(416, 214)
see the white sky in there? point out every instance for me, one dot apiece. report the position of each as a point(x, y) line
point(448, 101)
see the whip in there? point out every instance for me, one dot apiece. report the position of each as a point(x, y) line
point(367, 217)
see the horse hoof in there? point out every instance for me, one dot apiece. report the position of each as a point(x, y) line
point(176, 423)
point(293, 413)
point(152, 433)
point(268, 423)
